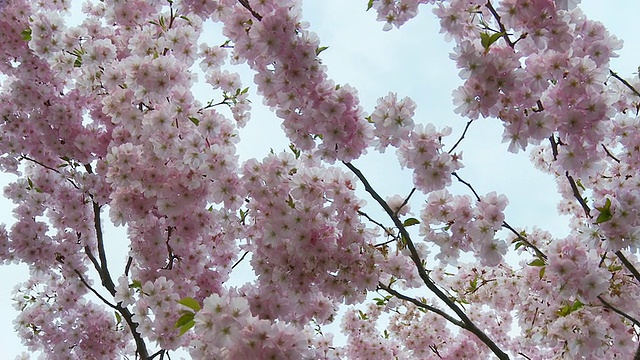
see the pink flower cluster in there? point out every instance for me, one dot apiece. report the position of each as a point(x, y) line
point(293, 81)
point(307, 240)
point(226, 329)
point(393, 121)
point(454, 224)
point(422, 152)
point(55, 319)
point(396, 12)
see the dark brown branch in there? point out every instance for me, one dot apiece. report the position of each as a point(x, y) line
point(628, 265)
point(126, 314)
point(49, 168)
point(419, 303)
point(618, 311)
point(128, 266)
point(93, 259)
point(609, 154)
point(554, 147)
point(524, 240)
point(246, 5)
point(503, 30)
point(467, 184)
point(461, 137)
point(94, 291)
point(576, 194)
point(415, 257)
point(240, 260)
point(625, 82)
point(386, 231)
point(107, 282)
point(406, 200)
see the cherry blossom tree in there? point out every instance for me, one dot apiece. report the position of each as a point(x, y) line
point(101, 124)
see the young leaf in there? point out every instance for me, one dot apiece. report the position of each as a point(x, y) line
point(605, 212)
point(26, 34)
point(537, 262)
point(321, 49)
point(410, 222)
point(486, 40)
point(118, 318)
point(370, 5)
point(191, 303)
point(185, 322)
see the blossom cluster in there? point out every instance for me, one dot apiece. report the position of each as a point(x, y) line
point(226, 329)
point(307, 240)
point(454, 224)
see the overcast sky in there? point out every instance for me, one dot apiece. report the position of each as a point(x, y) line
point(412, 61)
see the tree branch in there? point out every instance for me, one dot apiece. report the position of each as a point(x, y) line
point(107, 282)
point(625, 82)
point(628, 264)
point(524, 240)
point(94, 290)
point(576, 194)
point(418, 303)
point(619, 312)
point(246, 5)
point(461, 137)
point(503, 30)
point(415, 257)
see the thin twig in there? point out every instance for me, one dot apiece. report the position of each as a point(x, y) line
point(576, 194)
point(625, 82)
point(461, 137)
point(419, 303)
point(609, 154)
point(386, 231)
point(406, 200)
point(94, 291)
point(619, 312)
point(503, 30)
point(128, 266)
point(467, 184)
point(524, 240)
point(238, 262)
point(245, 3)
point(628, 264)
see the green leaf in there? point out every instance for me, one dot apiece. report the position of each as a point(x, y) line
point(537, 262)
point(191, 303)
point(26, 34)
point(78, 62)
point(295, 150)
point(362, 315)
point(569, 308)
point(321, 49)
point(185, 322)
point(541, 273)
point(118, 318)
point(136, 284)
point(30, 184)
point(411, 222)
point(605, 212)
point(369, 5)
point(486, 40)
point(194, 120)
